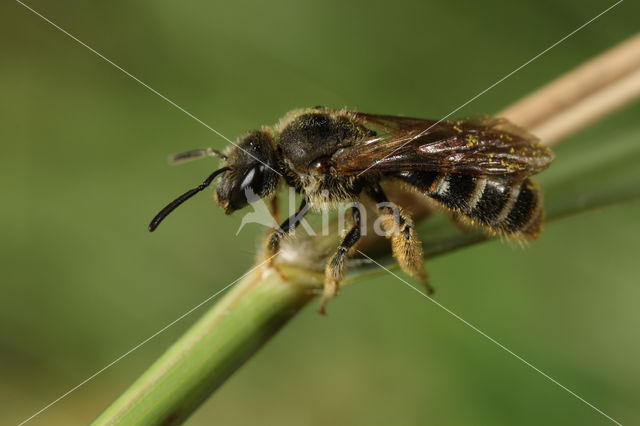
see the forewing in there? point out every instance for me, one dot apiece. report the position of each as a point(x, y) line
point(476, 145)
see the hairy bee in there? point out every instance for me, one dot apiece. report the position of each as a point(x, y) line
point(478, 168)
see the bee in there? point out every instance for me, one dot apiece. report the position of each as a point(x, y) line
point(479, 169)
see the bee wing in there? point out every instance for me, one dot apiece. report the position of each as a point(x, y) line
point(475, 145)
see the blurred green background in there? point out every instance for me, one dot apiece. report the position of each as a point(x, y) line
point(83, 169)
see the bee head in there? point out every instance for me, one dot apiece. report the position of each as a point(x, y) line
point(251, 174)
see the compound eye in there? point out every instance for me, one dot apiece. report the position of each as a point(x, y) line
point(252, 182)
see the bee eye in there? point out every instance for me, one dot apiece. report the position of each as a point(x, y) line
point(253, 180)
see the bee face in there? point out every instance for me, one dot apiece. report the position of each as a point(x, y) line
point(252, 164)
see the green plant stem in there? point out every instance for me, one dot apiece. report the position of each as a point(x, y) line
point(250, 313)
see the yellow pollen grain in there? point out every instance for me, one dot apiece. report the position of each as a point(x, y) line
point(471, 140)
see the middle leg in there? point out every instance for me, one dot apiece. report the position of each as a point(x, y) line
point(334, 271)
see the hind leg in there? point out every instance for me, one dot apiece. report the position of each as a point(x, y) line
point(405, 244)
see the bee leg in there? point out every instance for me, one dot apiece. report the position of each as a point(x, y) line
point(334, 271)
point(274, 208)
point(273, 240)
point(405, 244)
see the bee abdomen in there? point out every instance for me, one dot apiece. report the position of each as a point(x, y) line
point(509, 208)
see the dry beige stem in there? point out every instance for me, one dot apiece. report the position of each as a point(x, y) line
point(580, 97)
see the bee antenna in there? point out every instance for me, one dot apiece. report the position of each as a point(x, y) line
point(183, 157)
point(184, 197)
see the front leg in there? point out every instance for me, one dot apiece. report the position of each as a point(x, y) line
point(273, 240)
point(274, 207)
point(334, 271)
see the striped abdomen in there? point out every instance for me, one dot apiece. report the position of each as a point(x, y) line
point(507, 207)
